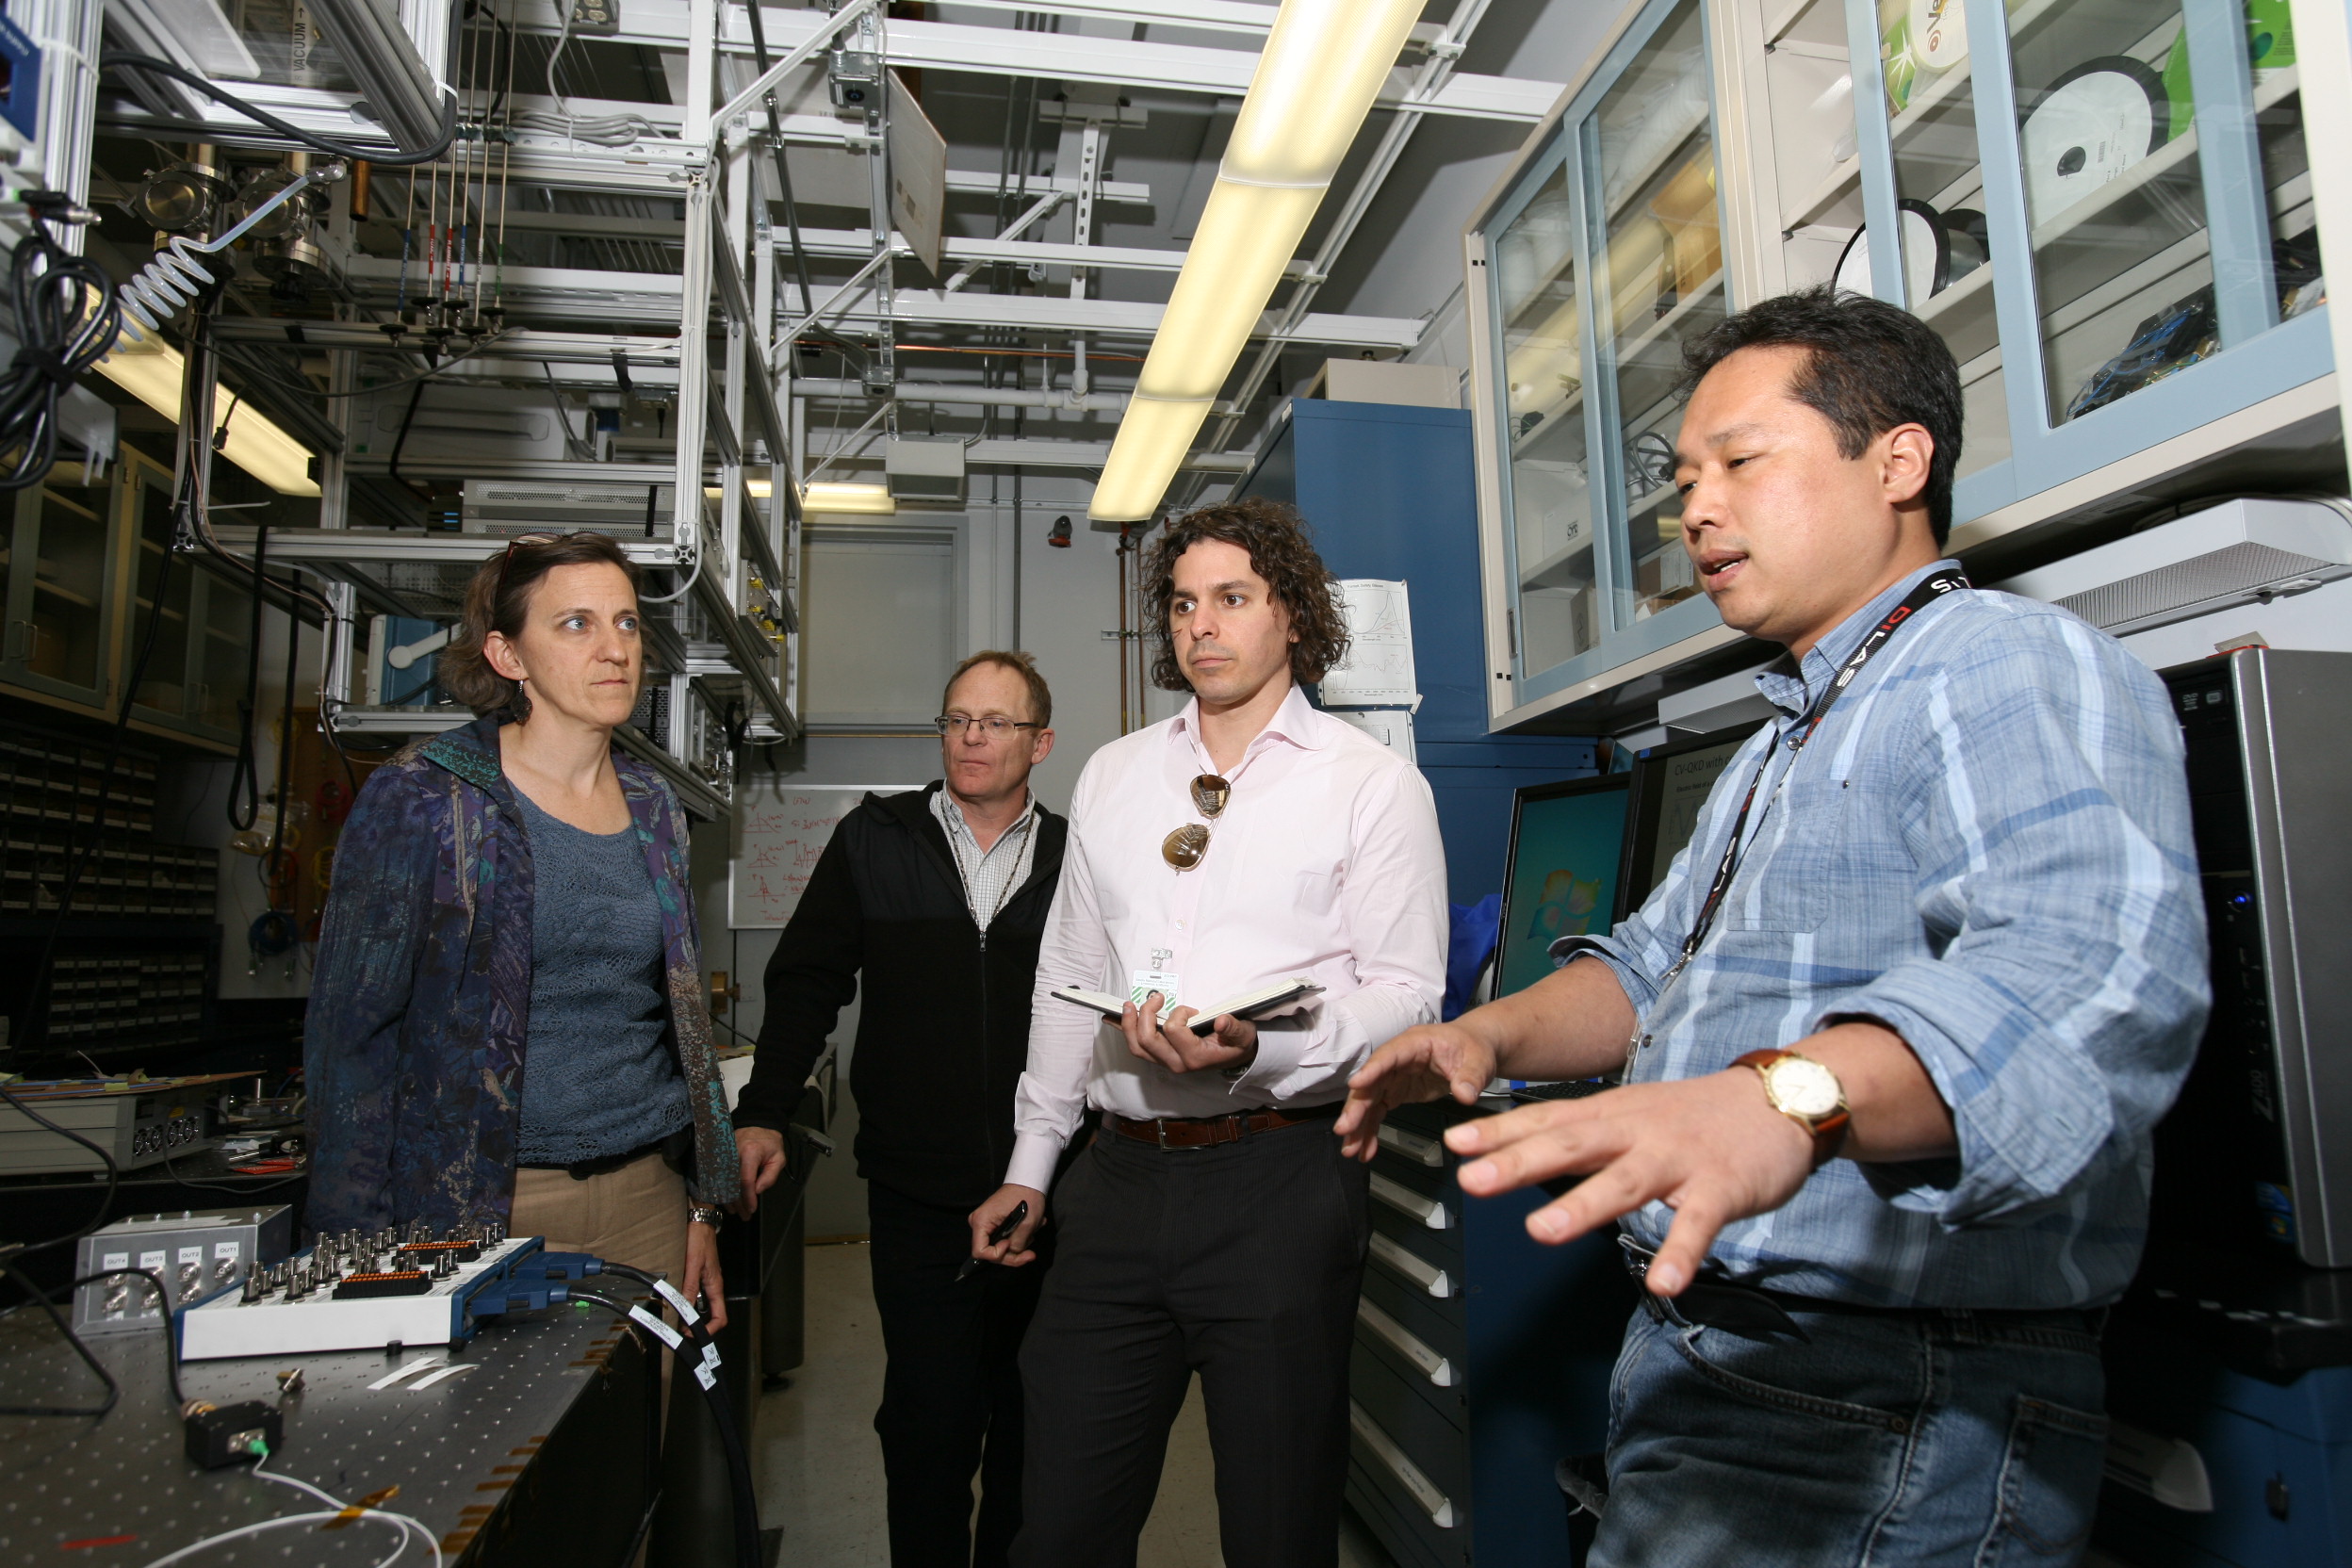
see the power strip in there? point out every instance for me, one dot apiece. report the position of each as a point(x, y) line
point(224, 1324)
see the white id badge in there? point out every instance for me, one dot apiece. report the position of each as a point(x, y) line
point(1143, 982)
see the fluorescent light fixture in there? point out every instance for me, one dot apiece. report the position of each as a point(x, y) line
point(874, 499)
point(756, 488)
point(1153, 436)
point(151, 370)
point(1244, 241)
point(1324, 62)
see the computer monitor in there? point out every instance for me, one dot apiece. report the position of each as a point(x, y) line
point(1567, 843)
point(1670, 786)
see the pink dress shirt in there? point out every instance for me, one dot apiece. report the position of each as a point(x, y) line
point(1326, 864)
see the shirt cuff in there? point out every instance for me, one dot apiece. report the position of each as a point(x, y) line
point(1337, 1036)
point(1035, 1156)
point(2031, 1111)
point(1638, 988)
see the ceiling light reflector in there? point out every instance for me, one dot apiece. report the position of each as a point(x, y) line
point(151, 371)
point(1324, 62)
point(873, 500)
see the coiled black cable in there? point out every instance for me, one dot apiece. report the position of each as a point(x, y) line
point(746, 1504)
point(66, 321)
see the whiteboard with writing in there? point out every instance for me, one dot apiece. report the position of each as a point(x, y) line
point(780, 831)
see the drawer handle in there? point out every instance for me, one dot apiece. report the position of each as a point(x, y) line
point(1428, 1211)
point(1439, 1507)
point(1427, 1276)
point(1402, 1340)
point(1412, 1145)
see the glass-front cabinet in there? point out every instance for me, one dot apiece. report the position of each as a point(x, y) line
point(57, 586)
point(2104, 207)
point(1605, 256)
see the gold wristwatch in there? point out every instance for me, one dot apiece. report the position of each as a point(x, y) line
point(1807, 1093)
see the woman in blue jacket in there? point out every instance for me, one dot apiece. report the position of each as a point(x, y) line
point(507, 1021)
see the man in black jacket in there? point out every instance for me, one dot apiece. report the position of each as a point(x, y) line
point(938, 897)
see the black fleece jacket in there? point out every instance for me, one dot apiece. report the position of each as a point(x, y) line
point(944, 1034)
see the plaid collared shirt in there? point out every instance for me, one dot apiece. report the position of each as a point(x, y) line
point(993, 874)
point(1986, 847)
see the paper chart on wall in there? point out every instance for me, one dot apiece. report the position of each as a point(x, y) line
point(779, 833)
point(1377, 672)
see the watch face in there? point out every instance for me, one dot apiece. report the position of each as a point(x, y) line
point(1803, 1087)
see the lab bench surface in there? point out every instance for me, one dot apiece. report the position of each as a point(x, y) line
point(542, 1452)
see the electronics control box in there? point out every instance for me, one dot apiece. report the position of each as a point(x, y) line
point(196, 1254)
point(317, 1301)
point(137, 1127)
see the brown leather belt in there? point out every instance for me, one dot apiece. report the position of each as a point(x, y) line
point(1206, 1131)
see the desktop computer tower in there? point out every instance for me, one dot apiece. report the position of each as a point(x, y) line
point(2229, 1359)
point(2257, 1153)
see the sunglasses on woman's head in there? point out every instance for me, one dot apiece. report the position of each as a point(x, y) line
point(535, 539)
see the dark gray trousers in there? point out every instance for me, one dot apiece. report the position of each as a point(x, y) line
point(1241, 1262)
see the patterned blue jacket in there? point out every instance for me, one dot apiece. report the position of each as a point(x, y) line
point(415, 1046)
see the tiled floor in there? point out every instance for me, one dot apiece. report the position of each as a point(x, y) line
point(821, 1469)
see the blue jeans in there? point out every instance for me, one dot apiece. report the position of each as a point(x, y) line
point(1952, 1440)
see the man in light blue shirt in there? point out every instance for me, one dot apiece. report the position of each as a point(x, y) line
point(1893, 1030)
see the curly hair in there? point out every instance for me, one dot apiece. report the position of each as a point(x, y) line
point(1281, 550)
point(498, 599)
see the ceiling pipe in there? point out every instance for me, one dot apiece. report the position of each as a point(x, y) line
point(943, 392)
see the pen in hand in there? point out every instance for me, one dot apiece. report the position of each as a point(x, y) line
point(1004, 1229)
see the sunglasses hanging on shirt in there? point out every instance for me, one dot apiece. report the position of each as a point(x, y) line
point(1183, 846)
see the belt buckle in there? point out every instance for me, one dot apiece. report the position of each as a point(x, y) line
point(1159, 1127)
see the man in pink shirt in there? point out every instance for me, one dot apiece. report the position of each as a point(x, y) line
point(1214, 1224)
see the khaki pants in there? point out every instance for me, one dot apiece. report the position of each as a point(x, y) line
point(634, 1215)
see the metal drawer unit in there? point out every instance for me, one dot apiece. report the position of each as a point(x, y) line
point(1481, 1360)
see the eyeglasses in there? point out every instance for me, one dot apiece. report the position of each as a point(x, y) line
point(996, 726)
point(1185, 846)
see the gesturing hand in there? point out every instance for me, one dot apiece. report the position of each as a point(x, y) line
point(1176, 1048)
point(1712, 1149)
point(1423, 1062)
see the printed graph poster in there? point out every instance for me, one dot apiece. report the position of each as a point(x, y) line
point(779, 832)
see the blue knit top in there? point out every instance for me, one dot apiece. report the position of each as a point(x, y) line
point(598, 1077)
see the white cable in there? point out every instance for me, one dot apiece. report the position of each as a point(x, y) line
point(672, 598)
point(398, 1545)
point(601, 130)
point(243, 1530)
point(404, 1521)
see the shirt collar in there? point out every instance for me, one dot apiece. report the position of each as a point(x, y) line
point(951, 814)
point(1791, 686)
point(1295, 720)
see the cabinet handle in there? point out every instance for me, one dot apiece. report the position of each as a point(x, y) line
point(1412, 1145)
point(1425, 1274)
point(1439, 1507)
point(1406, 1344)
point(1427, 1211)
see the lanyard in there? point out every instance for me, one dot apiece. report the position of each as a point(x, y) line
point(1933, 587)
point(967, 872)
